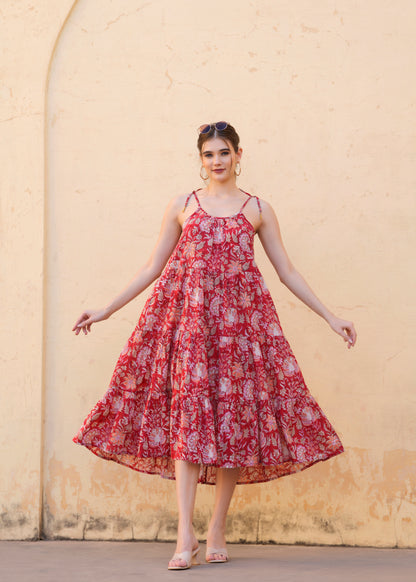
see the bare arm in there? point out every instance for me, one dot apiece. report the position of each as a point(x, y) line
point(271, 239)
point(168, 237)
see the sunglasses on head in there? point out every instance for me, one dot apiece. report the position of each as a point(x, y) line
point(219, 126)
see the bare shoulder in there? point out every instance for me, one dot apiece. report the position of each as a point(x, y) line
point(268, 213)
point(175, 209)
point(175, 205)
point(179, 200)
point(266, 207)
point(269, 226)
point(260, 213)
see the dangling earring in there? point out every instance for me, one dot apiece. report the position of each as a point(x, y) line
point(239, 169)
point(200, 173)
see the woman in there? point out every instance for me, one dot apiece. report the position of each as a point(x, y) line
point(207, 388)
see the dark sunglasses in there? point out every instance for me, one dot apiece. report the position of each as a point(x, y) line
point(219, 126)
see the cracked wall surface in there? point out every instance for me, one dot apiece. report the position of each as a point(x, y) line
point(99, 112)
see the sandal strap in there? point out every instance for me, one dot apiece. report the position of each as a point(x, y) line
point(185, 555)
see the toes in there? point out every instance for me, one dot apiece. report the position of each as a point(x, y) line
point(177, 562)
point(216, 556)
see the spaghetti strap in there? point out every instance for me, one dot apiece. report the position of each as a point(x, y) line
point(196, 198)
point(258, 204)
point(249, 197)
point(245, 202)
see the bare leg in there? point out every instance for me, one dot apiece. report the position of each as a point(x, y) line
point(224, 489)
point(186, 475)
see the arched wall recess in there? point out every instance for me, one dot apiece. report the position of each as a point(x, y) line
point(28, 33)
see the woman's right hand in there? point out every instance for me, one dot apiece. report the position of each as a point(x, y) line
point(89, 317)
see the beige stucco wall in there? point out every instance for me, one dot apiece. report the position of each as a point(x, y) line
point(99, 133)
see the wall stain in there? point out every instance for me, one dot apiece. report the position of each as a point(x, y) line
point(97, 524)
point(13, 521)
point(324, 524)
point(243, 526)
point(309, 29)
point(14, 517)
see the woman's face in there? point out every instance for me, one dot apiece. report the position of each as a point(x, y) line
point(219, 159)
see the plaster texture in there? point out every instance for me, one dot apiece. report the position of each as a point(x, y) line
point(99, 109)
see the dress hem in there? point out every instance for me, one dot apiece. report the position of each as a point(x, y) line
point(204, 467)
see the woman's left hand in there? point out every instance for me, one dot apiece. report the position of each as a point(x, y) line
point(345, 329)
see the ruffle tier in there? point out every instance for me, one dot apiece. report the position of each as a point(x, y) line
point(185, 392)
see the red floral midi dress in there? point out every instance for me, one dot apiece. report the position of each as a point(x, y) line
point(207, 375)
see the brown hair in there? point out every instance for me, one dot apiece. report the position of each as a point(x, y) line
point(229, 134)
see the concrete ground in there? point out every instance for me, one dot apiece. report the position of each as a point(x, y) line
point(82, 561)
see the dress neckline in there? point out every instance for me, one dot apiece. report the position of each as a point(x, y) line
point(224, 217)
point(240, 213)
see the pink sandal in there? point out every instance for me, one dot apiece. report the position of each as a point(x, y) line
point(190, 557)
point(220, 551)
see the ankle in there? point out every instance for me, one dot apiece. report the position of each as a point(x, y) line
point(217, 526)
point(185, 525)
point(216, 538)
point(186, 536)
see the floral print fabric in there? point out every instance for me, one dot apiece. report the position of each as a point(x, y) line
point(207, 375)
